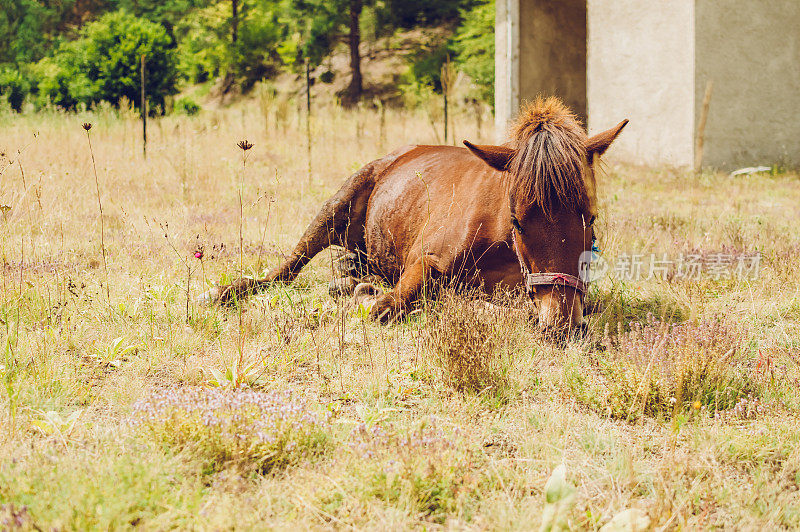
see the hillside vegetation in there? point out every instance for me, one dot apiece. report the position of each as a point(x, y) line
point(78, 54)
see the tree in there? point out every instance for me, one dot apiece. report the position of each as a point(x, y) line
point(26, 28)
point(234, 21)
point(411, 13)
point(14, 88)
point(316, 27)
point(103, 64)
point(356, 84)
point(32, 29)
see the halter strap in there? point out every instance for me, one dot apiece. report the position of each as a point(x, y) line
point(555, 279)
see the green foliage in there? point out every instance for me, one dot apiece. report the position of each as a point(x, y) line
point(473, 45)
point(425, 67)
point(206, 50)
point(312, 29)
point(104, 64)
point(410, 13)
point(203, 53)
point(271, 35)
point(254, 56)
point(14, 87)
point(68, 57)
point(186, 106)
point(471, 49)
point(165, 12)
point(55, 85)
point(27, 28)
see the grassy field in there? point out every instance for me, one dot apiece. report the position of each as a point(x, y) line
point(126, 405)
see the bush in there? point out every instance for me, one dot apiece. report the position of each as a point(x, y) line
point(104, 64)
point(14, 87)
point(662, 370)
point(57, 86)
point(234, 428)
point(327, 77)
point(466, 344)
point(425, 67)
point(471, 49)
point(186, 106)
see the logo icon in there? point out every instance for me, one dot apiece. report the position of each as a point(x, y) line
point(592, 266)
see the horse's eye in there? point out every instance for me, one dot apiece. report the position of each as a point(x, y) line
point(516, 223)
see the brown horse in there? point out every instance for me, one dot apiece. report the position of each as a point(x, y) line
point(486, 216)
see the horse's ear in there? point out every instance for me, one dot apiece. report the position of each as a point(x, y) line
point(598, 144)
point(497, 157)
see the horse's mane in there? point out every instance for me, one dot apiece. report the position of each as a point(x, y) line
point(550, 162)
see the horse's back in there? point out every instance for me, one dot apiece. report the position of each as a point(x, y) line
point(441, 198)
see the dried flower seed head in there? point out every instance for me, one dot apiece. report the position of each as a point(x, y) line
point(244, 145)
point(87, 126)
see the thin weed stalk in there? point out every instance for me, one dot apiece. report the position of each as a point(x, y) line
point(244, 145)
point(87, 127)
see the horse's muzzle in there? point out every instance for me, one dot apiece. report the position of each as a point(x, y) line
point(560, 306)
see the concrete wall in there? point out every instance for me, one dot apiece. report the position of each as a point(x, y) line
point(506, 65)
point(552, 51)
point(641, 67)
point(752, 54)
point(649, 61)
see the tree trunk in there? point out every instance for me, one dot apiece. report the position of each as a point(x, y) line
point(356, 84)
point(234, 21)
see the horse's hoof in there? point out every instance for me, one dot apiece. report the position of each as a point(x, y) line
point(210, 298)
point(381, 309)
point(342, 287)
point(366, 291)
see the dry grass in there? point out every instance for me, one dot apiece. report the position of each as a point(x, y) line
point(400, 449)
point(468, 342)
point(666, 370)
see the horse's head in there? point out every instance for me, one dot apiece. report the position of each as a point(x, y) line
point(552, 203)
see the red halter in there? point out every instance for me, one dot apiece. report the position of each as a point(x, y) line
point(554, 279)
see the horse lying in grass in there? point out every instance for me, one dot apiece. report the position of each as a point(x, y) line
point(488, 216)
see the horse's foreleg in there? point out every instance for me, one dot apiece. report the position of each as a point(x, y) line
point(412, 282)
point(339, 222)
